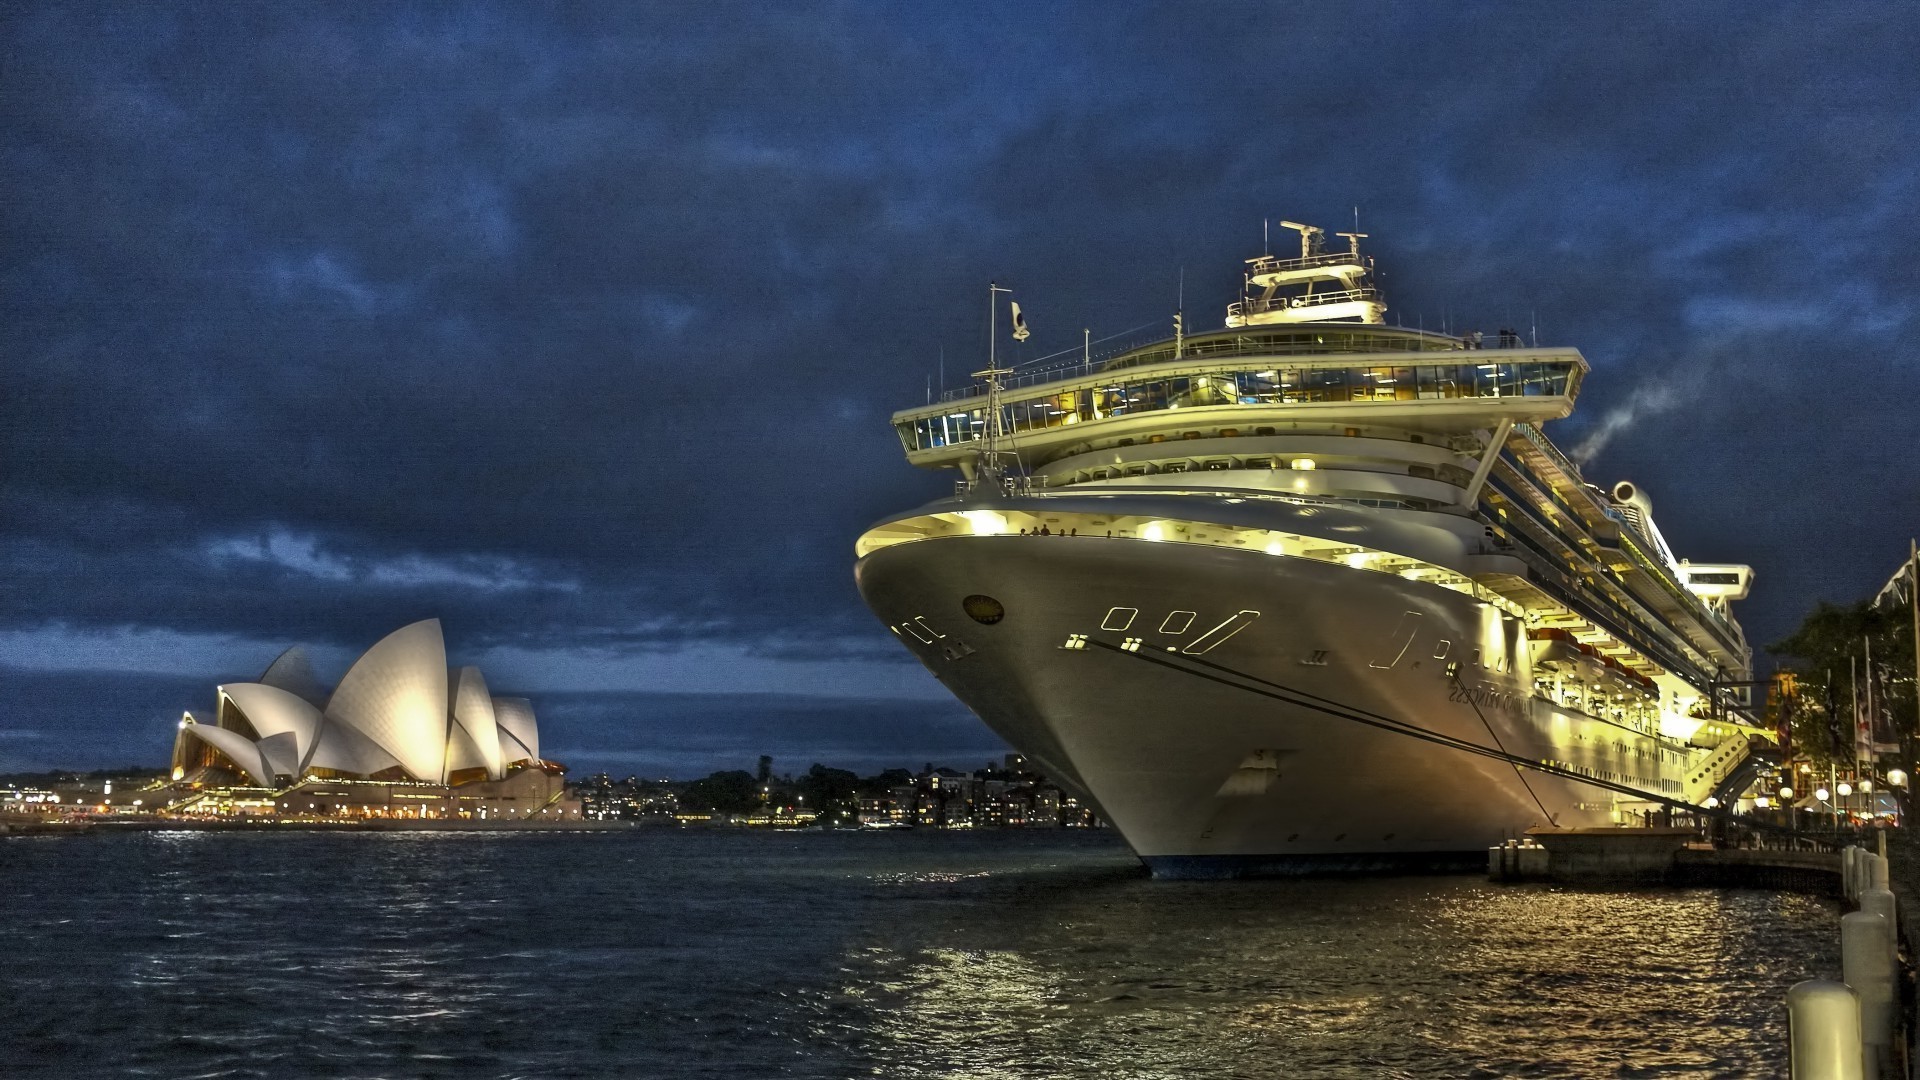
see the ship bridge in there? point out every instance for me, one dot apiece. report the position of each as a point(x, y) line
point(1319, 286)
point(1308, 382)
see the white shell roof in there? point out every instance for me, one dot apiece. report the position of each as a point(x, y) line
point(273, 711)
point(473, 714)
point(397, 707)
point(519, 734)
point(243, 751)
point(292, 671)
point(396, 695)
point(340, 747)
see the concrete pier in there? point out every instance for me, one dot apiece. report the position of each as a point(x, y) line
point(1643, 856)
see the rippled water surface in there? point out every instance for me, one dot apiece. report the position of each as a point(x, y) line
point(745, 954)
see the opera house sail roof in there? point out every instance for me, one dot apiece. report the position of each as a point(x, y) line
point(398, 713)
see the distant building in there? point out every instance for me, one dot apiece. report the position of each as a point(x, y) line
point(402, 735)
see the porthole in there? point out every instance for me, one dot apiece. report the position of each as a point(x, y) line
point(983, 609)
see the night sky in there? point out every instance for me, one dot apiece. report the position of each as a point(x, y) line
point(578, 326)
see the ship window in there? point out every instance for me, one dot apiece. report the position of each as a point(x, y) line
point(1177, 622)
point(1476, 659)
point(928, 627)
point(1440, 650)
point(1119, 618)
point(923, 636)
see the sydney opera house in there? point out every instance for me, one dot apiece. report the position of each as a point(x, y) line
point(401, 735)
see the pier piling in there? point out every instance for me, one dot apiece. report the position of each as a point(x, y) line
point(1823, 1026)
point(1866, 957)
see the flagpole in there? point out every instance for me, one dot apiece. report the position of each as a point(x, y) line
point(990, 456)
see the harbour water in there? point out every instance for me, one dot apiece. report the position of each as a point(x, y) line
point(733, 953)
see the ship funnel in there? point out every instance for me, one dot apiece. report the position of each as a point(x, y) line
point(1628, 494)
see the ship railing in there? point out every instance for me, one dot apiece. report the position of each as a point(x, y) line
point(1542, 444)
point(1391, 339)
point(1271, 264)
point(1010, 486)
point(1245, 308)
point(1078, 365)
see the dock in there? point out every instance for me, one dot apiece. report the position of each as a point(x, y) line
point(1669, 856)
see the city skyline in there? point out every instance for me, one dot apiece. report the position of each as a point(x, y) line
point(583, 333)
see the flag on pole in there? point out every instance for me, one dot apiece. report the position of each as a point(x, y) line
point(1020, 332)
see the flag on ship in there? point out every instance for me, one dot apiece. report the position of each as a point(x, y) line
point(1020, 331)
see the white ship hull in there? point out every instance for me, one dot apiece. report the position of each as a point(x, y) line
point(1207, 777)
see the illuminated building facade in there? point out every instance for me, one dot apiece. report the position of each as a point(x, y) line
point(401, 735)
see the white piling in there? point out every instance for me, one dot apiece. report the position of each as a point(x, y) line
point(1879, 879)
point(1866, 956)
point(1880, 902)
point(1823, 1032)
point(1849, 871)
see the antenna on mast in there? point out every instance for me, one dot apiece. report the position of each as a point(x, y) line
point(989, 473)
point(1310, 236)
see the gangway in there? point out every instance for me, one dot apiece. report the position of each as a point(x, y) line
point(1728, 770)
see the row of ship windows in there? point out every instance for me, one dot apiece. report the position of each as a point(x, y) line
point(1285, 386)
point(1669, 787)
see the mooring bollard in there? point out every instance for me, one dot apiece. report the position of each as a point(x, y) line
point(1866, 957)
point(1878, 878)
point(1881, 902)
point(1823, 1032)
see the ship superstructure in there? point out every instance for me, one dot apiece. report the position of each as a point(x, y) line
point(1312, 590)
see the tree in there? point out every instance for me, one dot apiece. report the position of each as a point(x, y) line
point(730, 792)
point(827, 790)
point(1829, 653)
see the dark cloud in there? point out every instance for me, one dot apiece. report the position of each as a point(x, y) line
point(582, 327)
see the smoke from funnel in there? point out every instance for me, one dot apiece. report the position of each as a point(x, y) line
point(1648, 400)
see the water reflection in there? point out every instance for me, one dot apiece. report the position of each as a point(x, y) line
point(729, 954)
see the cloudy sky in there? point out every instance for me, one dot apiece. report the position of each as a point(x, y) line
point(579, 326)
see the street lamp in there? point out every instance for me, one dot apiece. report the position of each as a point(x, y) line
point(1897, 777)
point(1785, 793)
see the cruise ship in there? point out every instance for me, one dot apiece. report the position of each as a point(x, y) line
point(1313, 592)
